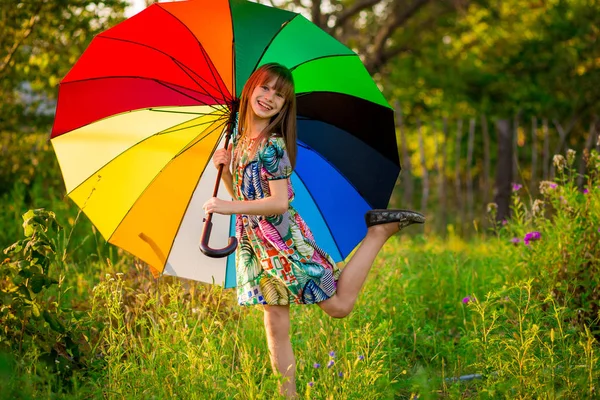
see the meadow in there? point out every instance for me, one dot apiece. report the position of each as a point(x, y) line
point(511, 312)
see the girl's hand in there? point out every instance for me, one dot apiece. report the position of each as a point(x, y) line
point(223, 156)
point(218, 206)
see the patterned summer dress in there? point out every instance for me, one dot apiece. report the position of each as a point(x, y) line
point(277, 259)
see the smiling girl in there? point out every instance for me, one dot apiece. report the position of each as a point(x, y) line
point(278, 262)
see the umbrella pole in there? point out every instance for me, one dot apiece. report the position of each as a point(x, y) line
point(231, 246)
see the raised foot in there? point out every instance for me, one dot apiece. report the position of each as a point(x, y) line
point(404, 218)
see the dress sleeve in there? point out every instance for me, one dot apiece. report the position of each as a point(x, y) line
point(275, 160)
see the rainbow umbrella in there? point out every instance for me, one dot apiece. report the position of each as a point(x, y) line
point(141, 113)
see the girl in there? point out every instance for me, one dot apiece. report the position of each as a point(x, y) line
point(277, 260)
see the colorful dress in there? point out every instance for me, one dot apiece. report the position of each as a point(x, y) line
point(277, 259)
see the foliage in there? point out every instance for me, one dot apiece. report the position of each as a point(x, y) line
point(558, 237)
point(36, 327)
point(503, 58)
point(40, 41)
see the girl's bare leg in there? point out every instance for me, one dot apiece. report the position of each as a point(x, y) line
point(277, 326)
point(355, 272)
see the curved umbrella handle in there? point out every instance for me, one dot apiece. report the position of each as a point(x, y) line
point(204, 247)
point(209, 251)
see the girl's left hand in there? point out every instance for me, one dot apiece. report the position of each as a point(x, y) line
point(218, 206)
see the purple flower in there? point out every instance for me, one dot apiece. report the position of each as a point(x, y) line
point(316, 365)
point(330, 363)
point(504, 222)
point(598, 230)
point(311, 383)
point(332, 354)
point(553, 185)
point(585, 191)
point(361, 357)
point(341, 374)
point(516, 187)
point(466, 300)
point(531, 237)
point(515, 240)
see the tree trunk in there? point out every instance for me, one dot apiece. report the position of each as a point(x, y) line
point(457, 182)
point(588, 147)
point(504, 169)
point(442, 181)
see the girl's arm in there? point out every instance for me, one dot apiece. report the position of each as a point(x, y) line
point(275, 204)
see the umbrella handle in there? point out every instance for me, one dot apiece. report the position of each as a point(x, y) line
point(204, 247)
point(209, 251)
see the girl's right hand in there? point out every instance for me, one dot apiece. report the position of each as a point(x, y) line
point(223, 156)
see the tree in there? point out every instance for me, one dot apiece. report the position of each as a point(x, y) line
point(40, 41)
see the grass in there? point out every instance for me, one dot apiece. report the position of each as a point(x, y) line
point(434, 311)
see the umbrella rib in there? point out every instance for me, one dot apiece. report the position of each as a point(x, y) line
point(168, 85)
point(321, 57)
point(271, 41)
point(197, 83)
point(185, 94)
point(335, 169)
point(204, 54)
point(321, 214)
point(164, 131)
point(176, 61)
point(189, 145)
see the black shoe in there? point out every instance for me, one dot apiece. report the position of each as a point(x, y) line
point(403, 217)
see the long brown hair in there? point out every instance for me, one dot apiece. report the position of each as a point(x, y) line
point(284, 122)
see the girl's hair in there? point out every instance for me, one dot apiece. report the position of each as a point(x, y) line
point(284, 122)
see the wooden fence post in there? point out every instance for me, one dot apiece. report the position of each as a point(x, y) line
point(486, 160)
point(533, 179)
point(406, 177)
point(503, 168)
point(470, 145)
point(442, 178)
point(546, 165)
point(425, 196)
point(457, 181)
point(588, 147)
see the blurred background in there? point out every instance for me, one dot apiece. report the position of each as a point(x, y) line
point(485, 93)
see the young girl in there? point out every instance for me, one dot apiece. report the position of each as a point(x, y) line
point(277, 260)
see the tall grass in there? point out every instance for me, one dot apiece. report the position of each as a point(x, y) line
point(438, 318)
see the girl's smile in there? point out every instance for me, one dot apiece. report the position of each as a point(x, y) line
point(265, 101)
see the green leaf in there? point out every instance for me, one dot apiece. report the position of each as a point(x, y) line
point(54, 323)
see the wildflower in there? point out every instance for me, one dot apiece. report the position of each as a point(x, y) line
point(516, 187)
point(515, 241)
point(585, 191)
point(559, 162)
point(330, 363)
point(341, 374)
point(332, 354)
point(504, 222)
point(361, 357)
point(311, 383)
point(538, 207)
point(492, 207)
point(571, 156)
point(531, 237)
point(316, 365)
point(466, 300)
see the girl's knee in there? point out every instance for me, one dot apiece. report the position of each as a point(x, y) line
point(277, 320)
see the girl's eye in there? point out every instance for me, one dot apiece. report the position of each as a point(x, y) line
point(265, 88)
point(279, 95)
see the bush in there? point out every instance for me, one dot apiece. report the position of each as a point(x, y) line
point(558, 237)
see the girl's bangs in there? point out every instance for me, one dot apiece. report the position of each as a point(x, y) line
point(282, 84)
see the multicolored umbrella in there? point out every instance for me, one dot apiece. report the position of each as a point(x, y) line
point(145, 107)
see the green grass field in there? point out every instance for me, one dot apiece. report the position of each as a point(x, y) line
point(483, 318)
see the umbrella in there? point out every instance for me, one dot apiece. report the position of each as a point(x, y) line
point(141, 113)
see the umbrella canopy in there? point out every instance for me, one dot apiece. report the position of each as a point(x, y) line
point(141, 113)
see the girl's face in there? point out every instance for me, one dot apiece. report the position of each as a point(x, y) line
point(266, 101)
